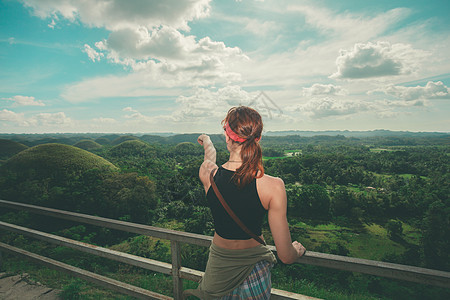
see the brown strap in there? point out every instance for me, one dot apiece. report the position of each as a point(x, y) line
point(230, 212)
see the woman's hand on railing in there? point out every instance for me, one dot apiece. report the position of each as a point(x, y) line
point(301, 250)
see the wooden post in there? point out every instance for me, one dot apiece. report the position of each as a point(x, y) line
point(176, 266)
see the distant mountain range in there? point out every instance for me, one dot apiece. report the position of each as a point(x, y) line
point(347, 133)
point(290, 136)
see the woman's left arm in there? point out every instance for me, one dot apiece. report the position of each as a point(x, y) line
point(209, 160)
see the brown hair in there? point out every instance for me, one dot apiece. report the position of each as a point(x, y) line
point(247, 124)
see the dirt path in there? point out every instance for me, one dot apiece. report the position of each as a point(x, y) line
point(20, 287)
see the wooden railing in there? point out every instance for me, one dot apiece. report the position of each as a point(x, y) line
point(175, 269)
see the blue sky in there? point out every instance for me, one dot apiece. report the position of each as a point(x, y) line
point(141, 67)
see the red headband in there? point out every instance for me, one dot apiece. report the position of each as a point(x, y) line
point(233, 135)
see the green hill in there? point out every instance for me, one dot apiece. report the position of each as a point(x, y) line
point(8, 148)
point(188, 148)
point(50, 160)
point(102, 141)
point(123, 138)
point(88, 145)
point(132, 148)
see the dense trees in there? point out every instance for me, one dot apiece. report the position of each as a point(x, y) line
point(154, 180)
point(436, 236)
point(309, 201)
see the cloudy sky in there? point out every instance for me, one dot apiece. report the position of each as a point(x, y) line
point(179, 65)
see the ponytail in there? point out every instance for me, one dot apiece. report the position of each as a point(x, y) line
point(252, 167)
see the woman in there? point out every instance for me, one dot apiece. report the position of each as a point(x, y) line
point(238, 265)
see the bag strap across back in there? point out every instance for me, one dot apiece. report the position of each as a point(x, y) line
point(230, 211)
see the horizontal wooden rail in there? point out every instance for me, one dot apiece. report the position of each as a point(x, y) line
point(378, 268)
point(106, 282)
point(145, 263)
point(137, 261)
point(384, 269)
point(167, 234)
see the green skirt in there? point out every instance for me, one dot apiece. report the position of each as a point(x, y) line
point(227, 269)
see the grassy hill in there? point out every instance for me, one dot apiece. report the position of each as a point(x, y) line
point(132, 148)
point(102, 141)
point(8, 148)
point(69, 178)
point(88, 145)
point(51, 159)
point(123, 138)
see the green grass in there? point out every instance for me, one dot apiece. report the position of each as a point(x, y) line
point(377, 150)
point(369, 242)
point(405, 176)
point(286, 155)
point(374, 244)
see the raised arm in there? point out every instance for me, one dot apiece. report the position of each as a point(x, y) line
point(287, 251)
point(209, 160)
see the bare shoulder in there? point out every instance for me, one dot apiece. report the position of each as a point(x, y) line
point(269, 188)
point(271, 182)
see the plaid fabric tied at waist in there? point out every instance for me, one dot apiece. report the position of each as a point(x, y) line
point(257, 286)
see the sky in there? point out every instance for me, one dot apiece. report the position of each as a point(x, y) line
point(178, 66)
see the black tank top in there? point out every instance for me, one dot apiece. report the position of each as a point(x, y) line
point(244, 202)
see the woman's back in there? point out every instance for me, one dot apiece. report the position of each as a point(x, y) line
point(243, 201)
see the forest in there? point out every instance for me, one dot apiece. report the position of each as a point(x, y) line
point(383, 197)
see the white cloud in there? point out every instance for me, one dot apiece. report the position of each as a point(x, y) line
point(10, 116)
point(318, 108)
point(129, 109)
point(58, 118)
point(164, 43)
point(93, 55)
point(377, 60)
point(260, 27)
point(25, 101)
point(252, 25)
point(145, 36)
point(52, 24)
point(324, 89)
point(402, 103)
point(432, 90)
point(104, 121)
point(348, 26)
point(136, 116)
point(129, 86)
point(119, 14)
point(207, 104)
point(170, 57)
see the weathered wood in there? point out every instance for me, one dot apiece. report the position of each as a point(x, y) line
point(176, 266)
point(282, 295)
point(106, 282)
point(184, 237)
point(145, 263)
point(183, 273)
point(378, 268)
point(402, 272)
point(190, 274)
